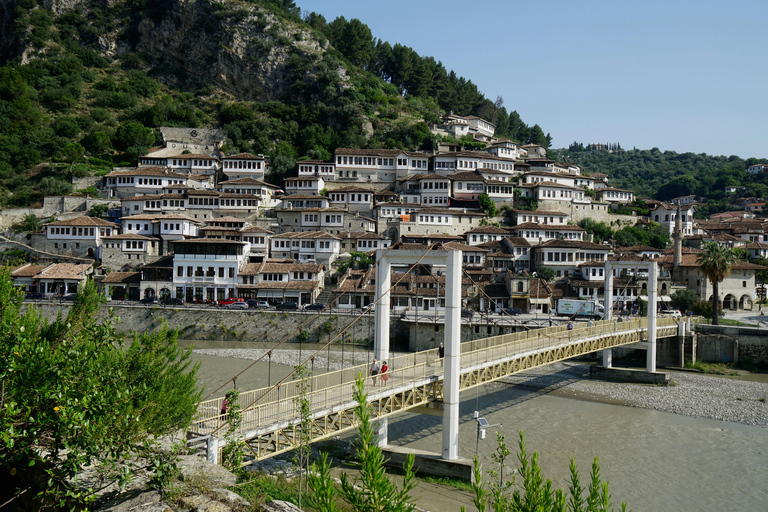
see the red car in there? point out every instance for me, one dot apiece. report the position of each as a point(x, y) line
point(227, 302)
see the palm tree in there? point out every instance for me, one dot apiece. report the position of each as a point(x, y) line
point(715, 263)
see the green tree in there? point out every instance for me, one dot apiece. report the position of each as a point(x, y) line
point(30, 222)
point(373, 490)
point(600, 230)
point(715, 263)
point(487, 204)
point(97, 398)
point(685, 299)
point(72, 153)
point(301, 402)
point(98, 210)
point(546, 273)
point(535, 493)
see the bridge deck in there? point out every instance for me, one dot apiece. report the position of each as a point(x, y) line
point(269, 417)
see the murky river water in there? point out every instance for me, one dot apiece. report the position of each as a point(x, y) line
point(654, 461)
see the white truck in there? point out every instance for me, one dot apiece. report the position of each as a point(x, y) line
point(580, 308)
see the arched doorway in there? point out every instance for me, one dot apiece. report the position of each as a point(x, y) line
point(165, 293)
point(149, 292)
point(90, 252)
point(730, 302)
point(745, 302)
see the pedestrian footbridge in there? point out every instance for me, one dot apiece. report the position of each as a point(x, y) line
point(271, 424)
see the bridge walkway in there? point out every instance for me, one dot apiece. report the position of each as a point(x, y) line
point(271, 425)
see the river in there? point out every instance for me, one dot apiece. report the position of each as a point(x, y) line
point(653, 460)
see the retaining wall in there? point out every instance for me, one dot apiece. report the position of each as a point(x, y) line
point(219, 324)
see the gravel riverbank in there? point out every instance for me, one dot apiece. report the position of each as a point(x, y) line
point(693, 394)
point(705, 396)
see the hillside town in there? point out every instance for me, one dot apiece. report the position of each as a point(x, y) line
point(191, 224)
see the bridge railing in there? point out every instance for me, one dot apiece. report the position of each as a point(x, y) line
point(332, 388)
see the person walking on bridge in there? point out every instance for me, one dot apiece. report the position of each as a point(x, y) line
point(374, 371)
point(384, 375)
point(441, 353)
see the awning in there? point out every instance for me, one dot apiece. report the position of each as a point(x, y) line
point(662, 298)
point(538, 300)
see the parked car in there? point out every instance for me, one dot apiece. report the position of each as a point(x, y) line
point(70, 297)
point(149, 300)
point(227, 302)
point(33, 296)
point(467, 313)
point(237, 305)
point(317, 306)
point(288, 306)
point(172, 301)
point(369, 307)
point(512, 311)
point(254, 304)
point(675, 313)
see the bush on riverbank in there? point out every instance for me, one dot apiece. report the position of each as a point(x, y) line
point(77, 394)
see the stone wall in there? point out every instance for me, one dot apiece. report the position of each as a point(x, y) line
point(599, 212)
point(217, 324)
point(61, 207)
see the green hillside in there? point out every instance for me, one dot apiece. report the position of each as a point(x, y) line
point(665, 175)
point(83, 87)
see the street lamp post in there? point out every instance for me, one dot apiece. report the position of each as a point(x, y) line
point(536, 304)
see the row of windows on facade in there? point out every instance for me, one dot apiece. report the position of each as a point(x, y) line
point(538, 218)
point(201, 272)
point(393, 211)
point(553, 235)
point(496, 189)
point(324, 169)
point(127, 245)
point(667, 218)
point(569, 256)
point(589, 292)
point(305, 244)
point(173, 203)
point(563, 193)
point(193, 162)
point(254, 191)
point(331, 219)
point(343, 197)
point(240, 164)
point(435, 200)
point(79, 231)
point(371, 161)
point(166, 227)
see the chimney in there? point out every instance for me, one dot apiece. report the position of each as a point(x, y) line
point(677, 237)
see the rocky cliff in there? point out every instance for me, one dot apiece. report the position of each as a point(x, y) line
point(241, 48)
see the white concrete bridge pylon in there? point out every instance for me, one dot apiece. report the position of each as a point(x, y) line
point(452, 337)
point(652, 267)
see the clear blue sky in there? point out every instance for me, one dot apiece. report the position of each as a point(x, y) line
point(680, 75)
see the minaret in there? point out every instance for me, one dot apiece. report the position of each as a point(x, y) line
point(677, 240)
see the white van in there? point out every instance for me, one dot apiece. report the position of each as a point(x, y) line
point(675, 313)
